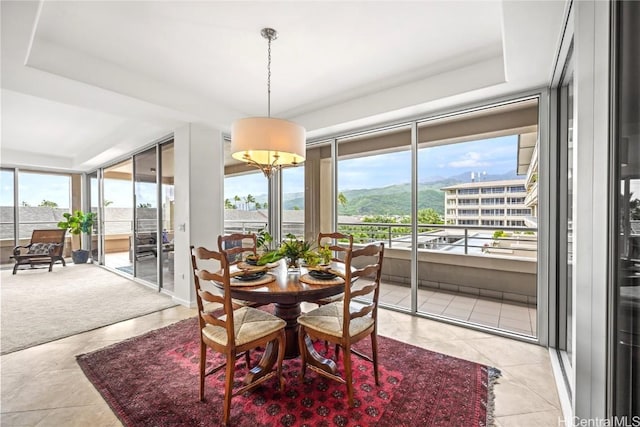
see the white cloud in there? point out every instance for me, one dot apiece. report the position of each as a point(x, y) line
point(470, 159)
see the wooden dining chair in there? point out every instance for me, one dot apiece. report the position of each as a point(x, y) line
point(346, 322)
point(235, 332)
point(332, 240)
point(238, 245)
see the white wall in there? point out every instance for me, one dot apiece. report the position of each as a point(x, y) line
point(199, 186)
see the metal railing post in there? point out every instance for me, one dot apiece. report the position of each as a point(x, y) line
point(466, 241)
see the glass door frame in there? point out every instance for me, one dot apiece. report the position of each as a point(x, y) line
point(565, 318)
point(544, 269)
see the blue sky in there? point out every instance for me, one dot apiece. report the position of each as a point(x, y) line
point(497, 155)
point(493, 156)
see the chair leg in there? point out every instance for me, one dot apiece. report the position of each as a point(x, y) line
point(347, 373)
point(247, 358)
point(374, 355)
point(15, 268)
point(203, 362)
point(51, 266)
point(303, 351)
point(228, 388)
point(281, 350)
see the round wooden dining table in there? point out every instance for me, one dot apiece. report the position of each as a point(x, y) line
point(286, 292)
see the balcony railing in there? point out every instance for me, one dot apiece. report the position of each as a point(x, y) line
point(460, 239)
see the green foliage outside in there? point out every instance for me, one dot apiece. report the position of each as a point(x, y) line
point(48, 204)
point(499, 233)
point(364, 234)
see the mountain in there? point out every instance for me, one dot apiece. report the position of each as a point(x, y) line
point(396, 199)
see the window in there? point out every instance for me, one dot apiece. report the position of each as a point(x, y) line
point(246, 203)
point(464, 191)
point(468, 212)
point(493, 190)
point(42, 199)
point(468, 201)
point(517, 189)
point(515, 200)
point(493, 222)
point(518, 211)
point(293, 201)
point(493, 212)
point(468, 222)
point(493, 201)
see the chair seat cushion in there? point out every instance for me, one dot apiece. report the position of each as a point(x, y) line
point(328, 319)
point(329, 300)
point(41, 248)
point(249, 324)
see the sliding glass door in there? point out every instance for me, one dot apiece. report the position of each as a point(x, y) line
point(146, 247)
point(117, 221)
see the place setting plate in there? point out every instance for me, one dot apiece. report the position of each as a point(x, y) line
point(250, 276)
point(321, 275)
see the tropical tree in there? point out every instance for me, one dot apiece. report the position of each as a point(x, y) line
point(429, 216)
point(258, 205)
point(250, 199)
point(236, 199)
point(228, 204)
point(342, 199)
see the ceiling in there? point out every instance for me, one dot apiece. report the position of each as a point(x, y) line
point(87, 82)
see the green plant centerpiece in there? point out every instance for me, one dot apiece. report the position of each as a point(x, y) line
point(78, 223)
point(293, 249)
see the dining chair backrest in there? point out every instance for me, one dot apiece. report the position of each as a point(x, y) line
point(199, 256)
point(237, 246)
point(256, 329)
point(337, 243)
point(365, 283)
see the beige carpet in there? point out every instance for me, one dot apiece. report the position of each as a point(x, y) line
point(38, 306)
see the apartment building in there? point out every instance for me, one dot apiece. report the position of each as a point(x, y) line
point(490, 203)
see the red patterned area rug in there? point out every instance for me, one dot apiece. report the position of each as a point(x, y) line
point(152, 380)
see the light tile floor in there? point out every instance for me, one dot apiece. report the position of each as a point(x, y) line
point(44, 386)
point(510, 316)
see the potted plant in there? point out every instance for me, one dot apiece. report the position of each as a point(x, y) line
point(78, 223)
point(293, 249)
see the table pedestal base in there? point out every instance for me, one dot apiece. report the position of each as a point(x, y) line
point(290, 313)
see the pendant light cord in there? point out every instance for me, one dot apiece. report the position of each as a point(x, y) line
point(269, 81)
